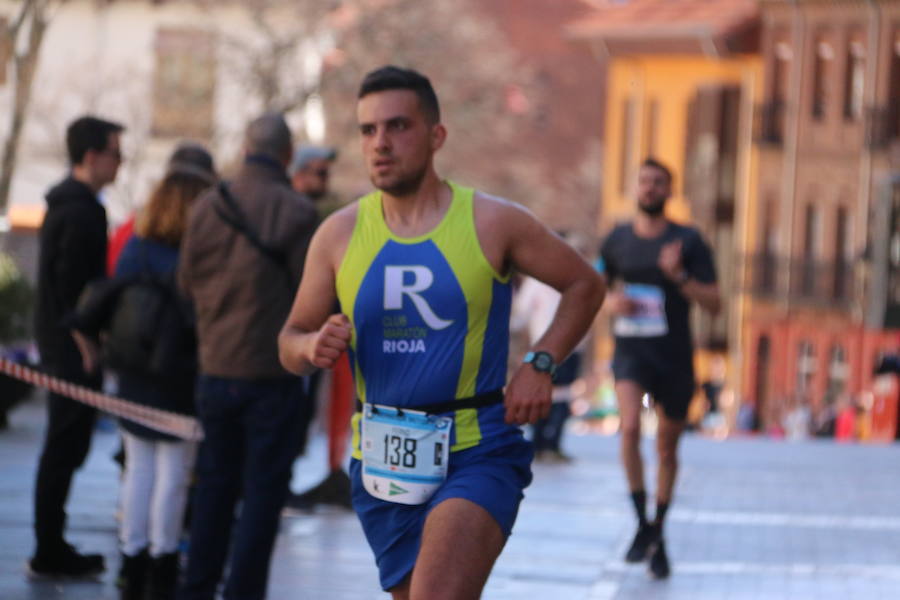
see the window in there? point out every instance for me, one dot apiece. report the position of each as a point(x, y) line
point(811, 243)
point(781, 71)
point(824, 56)
point(184, 83)
point(774, 112)
point(806, 366)
point(854, 80)
point(763, 362)
point(650, 127)
point(894, 90)
point(894, 249)
point(842, 269)
point(768, 266)
point(838, 372)
point(627, 144)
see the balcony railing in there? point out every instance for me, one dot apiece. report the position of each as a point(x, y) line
point(813, 283)
point(769, 123)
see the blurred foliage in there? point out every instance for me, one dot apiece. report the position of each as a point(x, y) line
point(16, 297)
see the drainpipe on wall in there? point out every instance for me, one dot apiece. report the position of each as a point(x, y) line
point(791, 143)
point(742, 228)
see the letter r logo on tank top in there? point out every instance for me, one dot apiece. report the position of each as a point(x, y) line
point(397, 284)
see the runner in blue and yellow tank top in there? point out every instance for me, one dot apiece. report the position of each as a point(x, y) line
point(421, 270)
point(430, 317)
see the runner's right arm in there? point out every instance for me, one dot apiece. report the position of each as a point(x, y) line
point(312, 337)
point(616, 302)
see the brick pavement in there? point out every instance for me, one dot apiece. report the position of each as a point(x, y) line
point(753, 519)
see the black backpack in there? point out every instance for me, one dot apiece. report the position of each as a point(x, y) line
point(150, 330)
point(144, 325)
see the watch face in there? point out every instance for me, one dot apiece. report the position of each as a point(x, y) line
point(543, 362)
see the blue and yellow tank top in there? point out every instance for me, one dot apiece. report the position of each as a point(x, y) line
point(430, 317)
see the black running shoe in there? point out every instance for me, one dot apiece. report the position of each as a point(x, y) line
point(644, 538)
point(334, 490)
point(659, 561)
point(66, 564)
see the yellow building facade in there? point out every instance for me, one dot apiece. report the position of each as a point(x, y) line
point(683, 88)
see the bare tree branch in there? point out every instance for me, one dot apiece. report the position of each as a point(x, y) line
point(34, 13)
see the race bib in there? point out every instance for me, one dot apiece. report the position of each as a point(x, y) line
point(649, 319)
point(404, 453)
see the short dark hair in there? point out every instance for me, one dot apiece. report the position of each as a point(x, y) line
point(270, 135)
point(88, 133)
point(394, 78)
point(652, 162)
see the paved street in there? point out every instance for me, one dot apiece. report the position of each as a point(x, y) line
point(754, 519)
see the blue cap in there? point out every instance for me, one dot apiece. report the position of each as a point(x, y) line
point(305, 154)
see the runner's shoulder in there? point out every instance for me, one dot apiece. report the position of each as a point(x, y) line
point(622, 229)
point(339, 224)
point(685, 232)
point(495, 211)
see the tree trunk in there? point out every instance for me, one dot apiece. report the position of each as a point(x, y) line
point(25, 67)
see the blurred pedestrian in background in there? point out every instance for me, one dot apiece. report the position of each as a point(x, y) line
point(72, 253)
point(151, 346)
point(659, 268)
point(241, 261)
point(534, 305)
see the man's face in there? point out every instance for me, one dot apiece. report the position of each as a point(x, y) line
point(104, 164)
point(653, 189)
point(398, 143)
point(312, 178)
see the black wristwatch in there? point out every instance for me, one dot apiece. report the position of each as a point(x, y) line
point(542, 362)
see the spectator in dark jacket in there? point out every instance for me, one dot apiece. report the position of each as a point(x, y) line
point(247, 403)
point(72, 253)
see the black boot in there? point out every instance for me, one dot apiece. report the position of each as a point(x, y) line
point(132, 577)
point(64, 563)
point(163, 577)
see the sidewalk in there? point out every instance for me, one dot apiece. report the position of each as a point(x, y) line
point(753, 519)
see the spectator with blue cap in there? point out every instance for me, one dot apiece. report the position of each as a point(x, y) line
point(309, 170)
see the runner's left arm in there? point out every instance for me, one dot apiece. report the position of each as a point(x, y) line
point(689, 264)
point(536, 251)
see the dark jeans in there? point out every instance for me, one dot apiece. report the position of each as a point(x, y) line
point(548, 432)
point(308, 408)
point(68, 439)
point(251, 436)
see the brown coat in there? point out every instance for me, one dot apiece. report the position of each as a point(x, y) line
point(241, 296)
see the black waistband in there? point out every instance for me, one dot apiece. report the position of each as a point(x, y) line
point(478, 401)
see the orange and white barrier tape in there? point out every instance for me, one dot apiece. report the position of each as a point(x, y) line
point(181, 426)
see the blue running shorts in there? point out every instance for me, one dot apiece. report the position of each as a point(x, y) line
point(491, 474)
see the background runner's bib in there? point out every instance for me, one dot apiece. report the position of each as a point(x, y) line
point(429, 315)
point(649, 318)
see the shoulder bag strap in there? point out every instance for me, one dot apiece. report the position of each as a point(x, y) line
point(232, 215)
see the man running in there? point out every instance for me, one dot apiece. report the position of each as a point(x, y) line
point(664, 267)
point(421, 268)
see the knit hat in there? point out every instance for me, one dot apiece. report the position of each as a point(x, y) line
point(191, 158)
